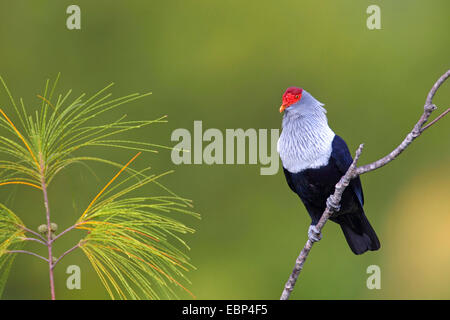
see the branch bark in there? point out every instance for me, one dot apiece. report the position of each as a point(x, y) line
point(27, 252)
point(32, 232)
point(64, 254)
point(64, 232)
point(34, 239)
point(49, 233)
point(333, 202)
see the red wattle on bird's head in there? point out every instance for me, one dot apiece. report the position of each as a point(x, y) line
point(291, 96)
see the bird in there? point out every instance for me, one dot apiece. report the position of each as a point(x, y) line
point(314, 159)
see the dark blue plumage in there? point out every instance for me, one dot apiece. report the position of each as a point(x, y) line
point(315, 185)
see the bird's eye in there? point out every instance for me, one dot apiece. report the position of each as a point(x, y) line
point(296, 97)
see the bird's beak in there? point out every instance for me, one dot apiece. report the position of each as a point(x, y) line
point(282, 108)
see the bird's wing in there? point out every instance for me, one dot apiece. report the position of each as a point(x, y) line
point(343, 159)
point(289, 181)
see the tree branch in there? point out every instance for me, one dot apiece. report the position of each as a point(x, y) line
point(64, 254)
point(64, 232)
point(333, 201)
point(32, 232)
point(33, 239)
point(27, 252)
point(436, 120)
point(49, 233)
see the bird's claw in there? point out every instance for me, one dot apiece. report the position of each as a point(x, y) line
point(313, 234)
point(334, 206)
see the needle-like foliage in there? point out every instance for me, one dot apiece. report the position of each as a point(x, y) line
point(131, 241)
point(10, 238)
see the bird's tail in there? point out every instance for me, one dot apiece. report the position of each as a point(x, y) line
point(358, 232)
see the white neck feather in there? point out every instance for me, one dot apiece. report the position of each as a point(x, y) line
point(306, 139)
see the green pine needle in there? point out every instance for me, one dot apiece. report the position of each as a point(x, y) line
point(132, 242)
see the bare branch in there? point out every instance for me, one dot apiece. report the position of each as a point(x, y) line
point(27, 252)
point(64, 254)
point(415, 132)
point(32, 232)
point(333, 201)
point(435, 87)
point(33, 239)
point(64, 232)
point(436, 120)
point(332, 206)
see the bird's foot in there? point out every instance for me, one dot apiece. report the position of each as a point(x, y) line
point(333, 205)
point(313, 234)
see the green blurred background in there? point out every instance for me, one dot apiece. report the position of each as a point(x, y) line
point(227, 63)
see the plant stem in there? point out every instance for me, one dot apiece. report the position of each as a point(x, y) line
point(34, 239)
point(49, 233)
point(65, 231)
point(27, 252)
point(32, 232)
point(65, 253)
